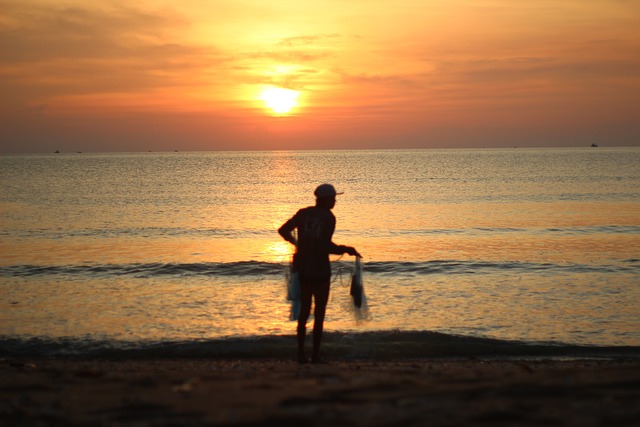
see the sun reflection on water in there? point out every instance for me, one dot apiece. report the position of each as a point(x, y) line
point(279, 251)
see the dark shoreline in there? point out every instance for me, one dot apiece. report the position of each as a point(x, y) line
point(371, 346)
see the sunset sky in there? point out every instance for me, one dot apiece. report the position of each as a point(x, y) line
point(204, 74)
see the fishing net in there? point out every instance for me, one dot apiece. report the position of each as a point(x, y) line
point(293, 294)
point(359, 307)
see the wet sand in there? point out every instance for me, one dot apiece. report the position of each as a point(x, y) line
point(434, 392)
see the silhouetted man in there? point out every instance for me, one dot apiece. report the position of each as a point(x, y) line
point(315, 225)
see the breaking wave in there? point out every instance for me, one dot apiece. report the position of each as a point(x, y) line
point(146, 232)
point(258, 268)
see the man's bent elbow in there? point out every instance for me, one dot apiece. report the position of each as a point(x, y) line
point(286, 235)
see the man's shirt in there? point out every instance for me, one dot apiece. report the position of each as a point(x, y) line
point(315, 230)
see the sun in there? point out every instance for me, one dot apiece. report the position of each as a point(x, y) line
point(280, 100)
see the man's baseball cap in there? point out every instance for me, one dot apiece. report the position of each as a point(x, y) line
point(325, 190)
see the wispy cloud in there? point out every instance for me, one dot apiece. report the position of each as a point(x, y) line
point(306, 40)
point(51, 50)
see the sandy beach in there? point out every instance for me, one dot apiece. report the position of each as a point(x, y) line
point(261, 392)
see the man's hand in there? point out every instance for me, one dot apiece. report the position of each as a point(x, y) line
point(352, 251)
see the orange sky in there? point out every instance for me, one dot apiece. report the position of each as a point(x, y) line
point(164, 75)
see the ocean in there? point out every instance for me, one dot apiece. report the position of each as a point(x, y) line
point(177, 253)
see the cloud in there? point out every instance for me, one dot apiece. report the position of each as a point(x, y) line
point(40, 32)
point(295, 56)
point(306, 40)
point(386, 80)
point(51, 50)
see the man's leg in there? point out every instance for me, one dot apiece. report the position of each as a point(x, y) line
point(321, 294)
point(305, 310)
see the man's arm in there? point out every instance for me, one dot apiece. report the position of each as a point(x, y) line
point(286, 231)
point(342, 249)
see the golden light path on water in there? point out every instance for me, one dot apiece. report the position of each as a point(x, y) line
point(383, 233)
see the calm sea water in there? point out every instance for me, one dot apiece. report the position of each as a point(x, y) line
point(534, 245)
